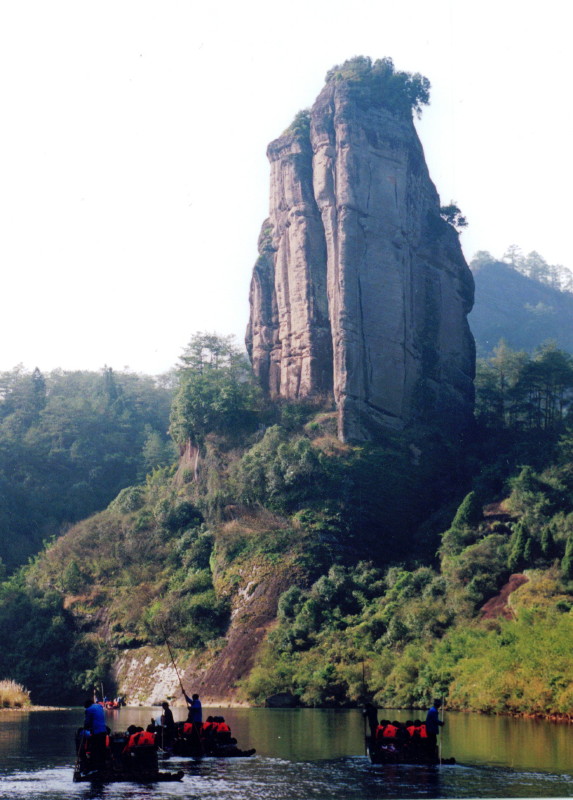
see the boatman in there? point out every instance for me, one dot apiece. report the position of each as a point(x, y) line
point(195, 712)
point(94, 722)
point(168, 723)
point(194, 716)
point(433, 723)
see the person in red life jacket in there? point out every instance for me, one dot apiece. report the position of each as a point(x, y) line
point(401, 733)
point(223, 732)
point(390, 731)
point(416, 729)
point(139, 738)
point(208, 728)
point(380, 729)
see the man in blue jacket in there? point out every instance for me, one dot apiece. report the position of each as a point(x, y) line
point(94, 722)
point(433, 723)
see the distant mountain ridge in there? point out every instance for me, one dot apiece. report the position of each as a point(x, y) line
point(523, 311)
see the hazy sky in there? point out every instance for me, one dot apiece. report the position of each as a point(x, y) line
point(133, 174)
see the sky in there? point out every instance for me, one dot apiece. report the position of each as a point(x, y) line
point(133, 169)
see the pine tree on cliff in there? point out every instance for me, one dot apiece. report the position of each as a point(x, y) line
point(216, 393)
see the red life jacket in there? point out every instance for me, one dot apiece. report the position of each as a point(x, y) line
point(206, 728)
point(411, 730)
point(139, 739)
point(187, 727)
point(390, 732)
point(423, 732)
point(380, 731)
point(222, 727)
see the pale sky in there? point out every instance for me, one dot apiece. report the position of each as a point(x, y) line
point(133, 170)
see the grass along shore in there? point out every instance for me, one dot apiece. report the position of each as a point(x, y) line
point(13, 695)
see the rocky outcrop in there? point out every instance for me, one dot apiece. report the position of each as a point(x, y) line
point(361, 289)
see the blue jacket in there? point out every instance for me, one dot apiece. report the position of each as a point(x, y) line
point(94, 720)
point(433, 721)
point(195, 710)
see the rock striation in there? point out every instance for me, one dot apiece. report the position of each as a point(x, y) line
point(361, 289)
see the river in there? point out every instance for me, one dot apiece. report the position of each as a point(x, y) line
point(301, 755)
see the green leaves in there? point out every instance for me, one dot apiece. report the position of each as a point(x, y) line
point(381, 85)
point(217, 393)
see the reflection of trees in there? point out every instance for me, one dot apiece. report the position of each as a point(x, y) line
point(13, 734)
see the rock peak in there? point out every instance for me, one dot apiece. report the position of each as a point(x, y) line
point(361, 289)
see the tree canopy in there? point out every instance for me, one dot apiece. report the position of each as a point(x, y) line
point(382, 85)
point(217, 392)
point(69, 442)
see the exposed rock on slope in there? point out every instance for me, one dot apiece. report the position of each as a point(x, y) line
point(361, 288)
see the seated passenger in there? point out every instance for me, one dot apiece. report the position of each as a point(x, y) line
point(390, 731)
point(139, 738)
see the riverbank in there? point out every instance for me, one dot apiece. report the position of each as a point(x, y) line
point(34, 708)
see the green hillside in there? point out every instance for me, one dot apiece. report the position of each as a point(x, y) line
point(400, 570)
point(69, 442)
point(524, 301)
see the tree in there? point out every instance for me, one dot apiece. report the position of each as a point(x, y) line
point(536, 267)
point(513, 256)
point(470, 512)
point(517, 547)
point(567, 560)
point(482, 257)
point(379, 84)
point(544, 389)
point(453, 216)
point(496, 379)
point(216, 394)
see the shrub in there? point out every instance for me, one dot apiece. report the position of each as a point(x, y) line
point(13, 695)
point(130, 499)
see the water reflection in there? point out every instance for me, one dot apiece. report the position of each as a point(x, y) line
point(301, 754)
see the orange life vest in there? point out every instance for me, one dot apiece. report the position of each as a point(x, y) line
point(222, 727)
point(139, 739)
point(390, 732)
point(423, 732)
point(187, 727)
point(207, 727)
point(380, 731)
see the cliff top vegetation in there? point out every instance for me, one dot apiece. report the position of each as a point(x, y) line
point(381, 85)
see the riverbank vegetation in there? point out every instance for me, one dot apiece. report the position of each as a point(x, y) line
point(407, 572)
point(12, 695)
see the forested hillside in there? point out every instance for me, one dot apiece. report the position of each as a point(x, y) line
point(69, 442)
point(521, 299)
point(402, 571)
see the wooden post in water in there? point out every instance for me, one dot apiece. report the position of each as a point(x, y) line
point(440, 745)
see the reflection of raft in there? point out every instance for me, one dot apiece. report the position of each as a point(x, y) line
point(406, 751)
point(187, 747)
point(114, 776)
point(140, 766)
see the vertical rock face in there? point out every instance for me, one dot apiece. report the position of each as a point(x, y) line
point(361, 288)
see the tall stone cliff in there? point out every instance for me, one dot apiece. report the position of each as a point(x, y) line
point(361, 289)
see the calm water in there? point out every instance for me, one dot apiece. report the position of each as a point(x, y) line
point(301, 755)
